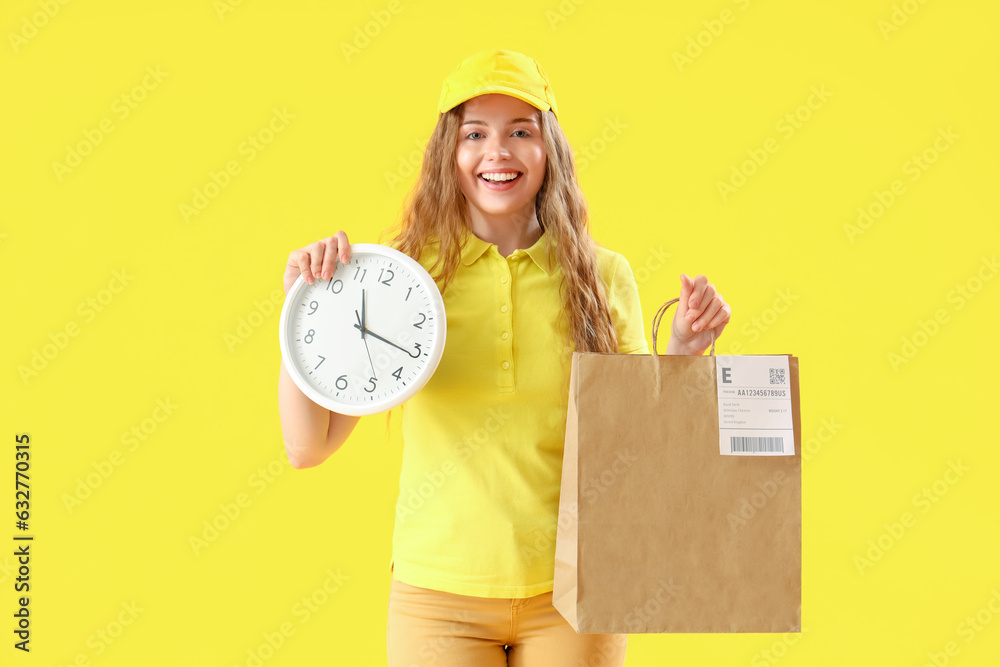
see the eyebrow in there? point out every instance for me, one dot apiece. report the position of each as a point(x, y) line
point(514, 121)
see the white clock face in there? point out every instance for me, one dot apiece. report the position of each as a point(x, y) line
point(368, 338)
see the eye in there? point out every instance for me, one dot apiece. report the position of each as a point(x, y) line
point(470, 135)
point(525, 133)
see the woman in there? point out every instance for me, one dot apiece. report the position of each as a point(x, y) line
point(498, 218)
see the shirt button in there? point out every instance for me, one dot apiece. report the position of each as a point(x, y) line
point(503, 279)
point(505, 365)
point(505, 335)
point(503, 308)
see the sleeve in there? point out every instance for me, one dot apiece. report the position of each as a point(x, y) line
point(626, 310)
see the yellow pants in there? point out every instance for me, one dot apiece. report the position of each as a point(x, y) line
point(428, 627)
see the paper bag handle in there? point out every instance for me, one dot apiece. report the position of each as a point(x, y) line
point(659, 316)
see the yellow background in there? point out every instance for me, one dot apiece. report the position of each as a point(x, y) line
point(660, 133)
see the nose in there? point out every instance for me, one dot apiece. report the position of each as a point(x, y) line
point(496, 147)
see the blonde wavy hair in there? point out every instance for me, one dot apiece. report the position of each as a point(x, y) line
point(437, 210)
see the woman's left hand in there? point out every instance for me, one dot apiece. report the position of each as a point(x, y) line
point(701, 311)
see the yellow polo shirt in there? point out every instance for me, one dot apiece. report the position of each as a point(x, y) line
point(483, 440)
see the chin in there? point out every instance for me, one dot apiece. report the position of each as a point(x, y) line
point(503, 210)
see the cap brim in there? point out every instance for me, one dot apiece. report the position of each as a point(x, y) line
point(534, 101)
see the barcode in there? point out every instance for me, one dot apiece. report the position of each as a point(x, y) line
point(777, 375)
point(745, 444)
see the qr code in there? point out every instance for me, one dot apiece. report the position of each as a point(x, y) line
point(777, 375)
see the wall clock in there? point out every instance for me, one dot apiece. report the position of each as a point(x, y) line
point(368, 338)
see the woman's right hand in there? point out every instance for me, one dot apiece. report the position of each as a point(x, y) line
point(317, 259)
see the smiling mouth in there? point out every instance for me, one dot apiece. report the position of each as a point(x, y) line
point(500, 178)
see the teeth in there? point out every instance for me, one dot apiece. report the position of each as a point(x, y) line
point(500, 177)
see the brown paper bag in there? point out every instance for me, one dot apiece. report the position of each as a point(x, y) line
point(658, 531)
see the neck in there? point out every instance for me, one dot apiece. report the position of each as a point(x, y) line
point(508, 232)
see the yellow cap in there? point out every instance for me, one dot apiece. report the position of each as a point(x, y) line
point(506, 72)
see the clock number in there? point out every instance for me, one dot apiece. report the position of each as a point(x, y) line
point(321, 360)
point(314, 305)
point(387, 280)
point(423, 319)
point(363, 273)
point(309, 336)
point(418, 351)
point(341, 379)
point(408, 290)
point(396, 373)
point(336, 286)
point(371, 381)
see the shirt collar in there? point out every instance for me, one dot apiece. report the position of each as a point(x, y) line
point(475, 247)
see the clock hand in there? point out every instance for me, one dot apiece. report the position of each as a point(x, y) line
point(364, 330)
point(361, 327)
point(363, 320)
point(375, 335)
point(369, 357)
